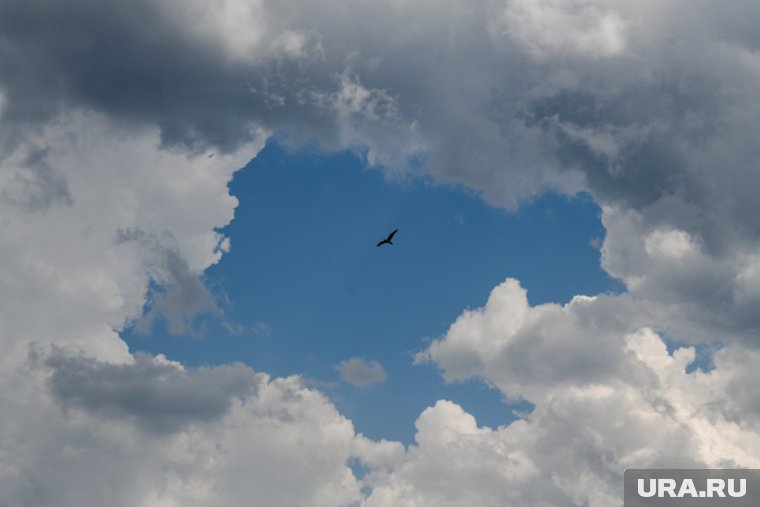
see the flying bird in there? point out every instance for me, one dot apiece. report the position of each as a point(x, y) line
point(389, 239)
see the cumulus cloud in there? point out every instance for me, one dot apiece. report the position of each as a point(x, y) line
point(607, 394)
point(152, 433)
point(360, 372)
point(70, 275)
point(108, 112)
point(29, 182)
point(88, 422)
point(702, 295)
point(549, 27)
point(522, 348)
point(639, 104)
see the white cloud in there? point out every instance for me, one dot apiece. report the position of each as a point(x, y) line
point(607, 394)
point(455, 462)
point(551, 26)
point(672, 244)
point(72, 275)
point(360, 372)
point(524, 349)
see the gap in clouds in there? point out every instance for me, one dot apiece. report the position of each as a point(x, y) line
point(703, 352)
point(304, 287)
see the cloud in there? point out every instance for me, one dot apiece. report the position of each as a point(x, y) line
point(160, 395)
point(637, 104)
point(178, 295)
point(607, 395)
point(92, 424)
point(150, 432)
point(701, 294)
point(72, 278)
point(109, 110)
point(30, 183)
point(360, 372)
point(550, 27)
point(521, 348)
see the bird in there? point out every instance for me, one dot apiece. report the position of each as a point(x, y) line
point(389, 239)
point(211, 155)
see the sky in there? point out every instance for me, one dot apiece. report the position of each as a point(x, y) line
point(307, 288)
point(194, 311)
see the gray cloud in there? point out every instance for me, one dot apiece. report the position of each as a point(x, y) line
point(150, 433)
point(181, 298)
point(31, 183)
point(159, 396)
point(180, 295)
point(360, 372)
point(141, 62)
point(310, 73)
point(642, 105)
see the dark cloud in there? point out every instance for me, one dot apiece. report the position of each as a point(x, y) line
point(652, 147)
point(159, 396)
point(134, 61)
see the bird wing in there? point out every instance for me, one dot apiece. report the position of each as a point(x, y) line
point(390, 236)
point(382, 242)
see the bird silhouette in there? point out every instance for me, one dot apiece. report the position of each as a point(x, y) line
point(389, 239)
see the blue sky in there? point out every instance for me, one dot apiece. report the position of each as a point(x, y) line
point(308, 288)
